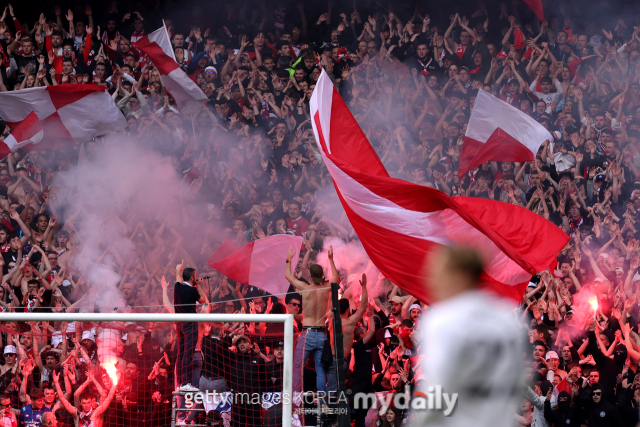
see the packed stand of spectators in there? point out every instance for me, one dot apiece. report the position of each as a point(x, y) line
point(410, 76)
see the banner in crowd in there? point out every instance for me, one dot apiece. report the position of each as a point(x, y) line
point(67, 114)
point(189, 97)
point(28, 131)
point(500, 132)
point(400, 223)
point(260, 263)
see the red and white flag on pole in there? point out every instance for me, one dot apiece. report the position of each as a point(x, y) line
point(400, 223)
point(29, 131)
point(187, 94)
point(260, 263)
point(500, 132)
point(67, 113)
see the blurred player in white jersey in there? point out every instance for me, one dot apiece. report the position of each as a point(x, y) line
point(472, 346)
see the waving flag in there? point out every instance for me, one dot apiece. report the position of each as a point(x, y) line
point(497, 131)
point(67, 113)
point(28, 131)
point(400, 223)
point(536, 8)
point(187, 94)
point(259, 263)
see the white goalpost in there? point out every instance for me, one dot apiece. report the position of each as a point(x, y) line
point(286, 319)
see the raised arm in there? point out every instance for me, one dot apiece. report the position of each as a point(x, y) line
point(68, 406)
point(447, 34)
point(288, 274)
point(334, 271)
point(364, 301)
point(165, 296)
point(105, 403)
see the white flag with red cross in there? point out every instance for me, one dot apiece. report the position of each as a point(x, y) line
point(66, 114)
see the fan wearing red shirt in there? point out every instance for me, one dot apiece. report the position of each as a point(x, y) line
point(296, 222)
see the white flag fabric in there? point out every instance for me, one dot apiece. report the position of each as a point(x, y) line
point(500, 132)
point(25, 133)
point(67, 114)
point(187, 94)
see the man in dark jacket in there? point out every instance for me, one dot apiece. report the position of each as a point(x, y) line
point(565, 415)
point(628, 402)
point(245, 372)
point(598, 412)
point(421, 60)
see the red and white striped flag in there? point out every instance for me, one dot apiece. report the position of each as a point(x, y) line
point(260, 263)
point(67, 113)
point(28, 131)
point(187, 94)
point(400, 223)
point(500, 132)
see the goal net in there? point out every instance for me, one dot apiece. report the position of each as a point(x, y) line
point(151, 369)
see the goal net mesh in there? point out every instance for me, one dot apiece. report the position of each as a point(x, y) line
point(118, 373)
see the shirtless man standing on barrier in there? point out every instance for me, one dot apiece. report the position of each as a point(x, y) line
point(315, 298)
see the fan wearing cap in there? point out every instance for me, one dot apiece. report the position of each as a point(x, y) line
point(395, 316)
point(315, 299)
point(10, 360)
point(246, 370)
point(553, 363)
point(463, 359)
point(210, 74)
point(415, 313)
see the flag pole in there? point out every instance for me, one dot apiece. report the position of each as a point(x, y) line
point(343, 409)
point(173, 54)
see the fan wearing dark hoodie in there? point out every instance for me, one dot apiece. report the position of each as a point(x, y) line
point(565, 415)
point(597, 412)
point(628, 403)
point(608, 368)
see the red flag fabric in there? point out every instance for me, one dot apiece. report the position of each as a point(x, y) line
point(500, 132)
point(260, 263)
point(67, 113)
point(562, 386)
point(24, 133)
point(536, 7)
point(187, 94)
point(400, 223)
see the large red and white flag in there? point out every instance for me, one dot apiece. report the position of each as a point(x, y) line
point(67, 113)
point(500, 132)
point(400, 223)
point(260, 263)
point(27, 132)
point(187, 94)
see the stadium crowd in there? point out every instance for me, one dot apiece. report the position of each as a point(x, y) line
point(410, 74)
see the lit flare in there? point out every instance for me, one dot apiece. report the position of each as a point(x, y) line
point(112, 371)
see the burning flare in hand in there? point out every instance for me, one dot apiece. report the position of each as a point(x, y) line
point(593, 301)
point(112, 371)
